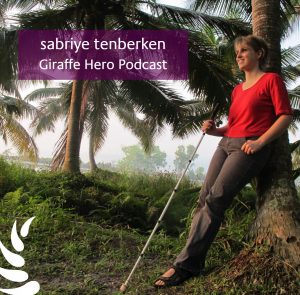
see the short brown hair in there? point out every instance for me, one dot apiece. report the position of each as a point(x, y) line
point(257, 43)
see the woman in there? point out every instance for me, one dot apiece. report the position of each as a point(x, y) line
point(260, 112)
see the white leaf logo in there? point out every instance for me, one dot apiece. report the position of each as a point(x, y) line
point(16, 260)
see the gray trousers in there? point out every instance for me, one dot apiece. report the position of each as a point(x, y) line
point(229, 171)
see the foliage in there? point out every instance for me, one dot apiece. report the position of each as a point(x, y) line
point(12, 110)
point(13, 176)
point(183, 155)
point(94, 258)
point(152, 98)
point(137, 160)
point(105, 197)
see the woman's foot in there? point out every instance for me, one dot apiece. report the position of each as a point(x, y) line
point(172, 277)
point(167, 274)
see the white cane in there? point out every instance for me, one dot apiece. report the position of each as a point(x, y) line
point(124, 286)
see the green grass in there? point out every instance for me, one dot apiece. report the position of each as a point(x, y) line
point(71, 250)
point(68, 255)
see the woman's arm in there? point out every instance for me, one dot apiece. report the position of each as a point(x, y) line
point(278, 127)
point(210, 128)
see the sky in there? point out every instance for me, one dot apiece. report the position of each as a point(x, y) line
point(118, 136)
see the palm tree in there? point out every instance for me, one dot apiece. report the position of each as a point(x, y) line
point(224, 49)
point(12, 110)
point(278, 209)
point(278, 215)
point(55, 104)
point(122, 15)
point(12, 107)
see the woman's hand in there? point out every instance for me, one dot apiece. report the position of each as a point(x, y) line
point(278, 127)
point(251, 146)
point(208, 126)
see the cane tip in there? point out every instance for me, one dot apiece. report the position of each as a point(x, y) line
point(123, 288)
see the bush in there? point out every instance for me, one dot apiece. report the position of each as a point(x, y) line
point(13, 176)
point(134, 199)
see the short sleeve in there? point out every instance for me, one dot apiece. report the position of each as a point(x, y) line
point(280, 96)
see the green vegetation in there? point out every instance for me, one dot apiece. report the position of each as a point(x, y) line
point(90, 229)
point(136, 159)
point(183, 155)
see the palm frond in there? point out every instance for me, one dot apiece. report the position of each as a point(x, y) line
point(97, 112)
point(97, 127)
point(42, 93)
point(54, 105)
point(296, 116)
point(244, 8)
point(63, 18)
point(8, 60)
point(224, 7)
point(9, 106)
point(188, 19)
point(290, 57)
point(210, 75)
point(290, 74)
point(296, 173)
point(144, 130)
point(59, 151)
point(18, 4)
point(25, 109)
point(19, 137)
point(153, 99)
point(294, 145)
point(49, 111)
point(191, 123)
point(294, 95)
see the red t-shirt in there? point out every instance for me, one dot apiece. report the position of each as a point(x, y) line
point(254, 110)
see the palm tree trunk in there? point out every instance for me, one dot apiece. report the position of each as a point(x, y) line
point(265, 16)
point(78, 105)
point(71, 163)
point(93, 165)
point(278, 218)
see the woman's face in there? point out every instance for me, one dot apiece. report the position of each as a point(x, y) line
point(246, 57)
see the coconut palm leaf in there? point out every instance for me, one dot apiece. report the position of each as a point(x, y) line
point(97, 112)
point(97, 127)
point(294, 95)
point(46, 92)
point(8, 59)
point(210, 75)
point(9, 106)
point(50, 110)
point(7, 5)
point(294, 145)
point(290, 57)
point(296, 173)
point(188, 19)
point(153, 99)
point(59, 151)
point(243, 7)
point(290, 74)
point(69, 16)
point(224, 7)
point(191, 124)
point(63, 18)
point(13, 131)
point(145, 130)
point(20, 107)
point(55, 102)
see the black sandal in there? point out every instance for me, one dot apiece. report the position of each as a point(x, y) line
point(175, 279)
